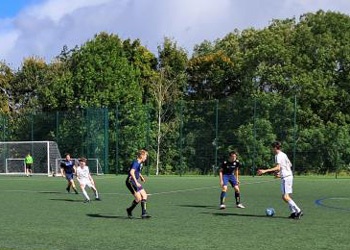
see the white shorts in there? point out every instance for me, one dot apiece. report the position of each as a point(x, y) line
point(85, 182)
point(287, 185)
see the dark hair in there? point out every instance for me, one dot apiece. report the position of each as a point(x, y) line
point(276, 144)
point(232, 153)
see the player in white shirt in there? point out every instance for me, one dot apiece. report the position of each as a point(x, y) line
point(283, 169)
point(85, 179)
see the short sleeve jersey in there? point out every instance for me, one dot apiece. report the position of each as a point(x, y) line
point(83, 173)
point(138, 168)
point(28, 159)
point(286, 166)
point(228, 167)
point(68, 166)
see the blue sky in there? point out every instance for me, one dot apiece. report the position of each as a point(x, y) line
point(9, 8)
point(42, 27)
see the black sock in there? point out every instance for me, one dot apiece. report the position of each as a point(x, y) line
point(144, 206)
point(238, 198)
point(133, 205)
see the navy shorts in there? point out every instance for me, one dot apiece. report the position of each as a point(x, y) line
point(131, 185)
point(229, 179)
point(70, 176)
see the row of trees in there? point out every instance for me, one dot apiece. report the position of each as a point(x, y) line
point(307, 60)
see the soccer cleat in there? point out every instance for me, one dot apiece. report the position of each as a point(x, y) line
point(222, 206)
point(76, 192)
point(292, 216)
point(87, 201)
point(240, 205)
point(297, 216)
point(98, 199)
point(68, 189)
point(145, 216)
point(128, 211)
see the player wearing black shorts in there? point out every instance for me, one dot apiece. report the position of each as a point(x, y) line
point(135, 187)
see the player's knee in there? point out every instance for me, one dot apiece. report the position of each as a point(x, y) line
point(138, 197)
point(286, 197)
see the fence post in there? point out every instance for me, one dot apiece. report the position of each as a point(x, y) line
point(295, 131)
point(216, 130)
point(105, 156)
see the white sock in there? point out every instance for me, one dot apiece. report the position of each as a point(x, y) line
point(96, 194)
point(293, 206)
point(86, 195)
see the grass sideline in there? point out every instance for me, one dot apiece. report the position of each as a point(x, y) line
point(37, 213)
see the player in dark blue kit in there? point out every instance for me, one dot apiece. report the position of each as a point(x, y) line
point(68, 170)
point(133, 184)
point(229, 174)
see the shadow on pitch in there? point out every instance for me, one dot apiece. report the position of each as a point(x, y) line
point(67, 200)
point(49, 192)
point(246, 215)
point(231, 214)
point(199, 206)
point(106, 216)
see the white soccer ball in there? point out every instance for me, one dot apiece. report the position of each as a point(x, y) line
point(270, 212)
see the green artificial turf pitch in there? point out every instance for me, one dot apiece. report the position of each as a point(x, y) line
point(38, 213)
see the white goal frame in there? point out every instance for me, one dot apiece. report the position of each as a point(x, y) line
point(15, 159)
point(44, 154)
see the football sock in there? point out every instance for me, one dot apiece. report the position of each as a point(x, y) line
point(144, 206)
point(96, 194)
point(222, 197)
point(133, 205)
point(293, 206)
point(238, 198)
point(86, 195)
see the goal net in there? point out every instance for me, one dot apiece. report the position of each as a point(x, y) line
point(44, 154)
point(93, 164)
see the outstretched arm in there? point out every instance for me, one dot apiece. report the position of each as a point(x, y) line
point(273, 169)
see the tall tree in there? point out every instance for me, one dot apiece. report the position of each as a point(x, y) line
point(26, 84)
point(6, 77)
point(166, 89)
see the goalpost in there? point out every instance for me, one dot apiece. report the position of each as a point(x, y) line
point(44, 153)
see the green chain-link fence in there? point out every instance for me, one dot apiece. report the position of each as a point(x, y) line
point(194, 136)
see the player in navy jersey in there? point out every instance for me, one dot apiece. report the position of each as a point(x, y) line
point(134, 185)
point(68, 170)
point(228, 173)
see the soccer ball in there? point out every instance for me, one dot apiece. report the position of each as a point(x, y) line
point(270, 212)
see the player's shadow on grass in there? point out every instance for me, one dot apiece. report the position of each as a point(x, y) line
point(199, 206)
point(49, 192)
point(69, 200)
point(106, 216)
point(246, 215)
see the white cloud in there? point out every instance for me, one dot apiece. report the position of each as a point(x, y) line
point(57, 9)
